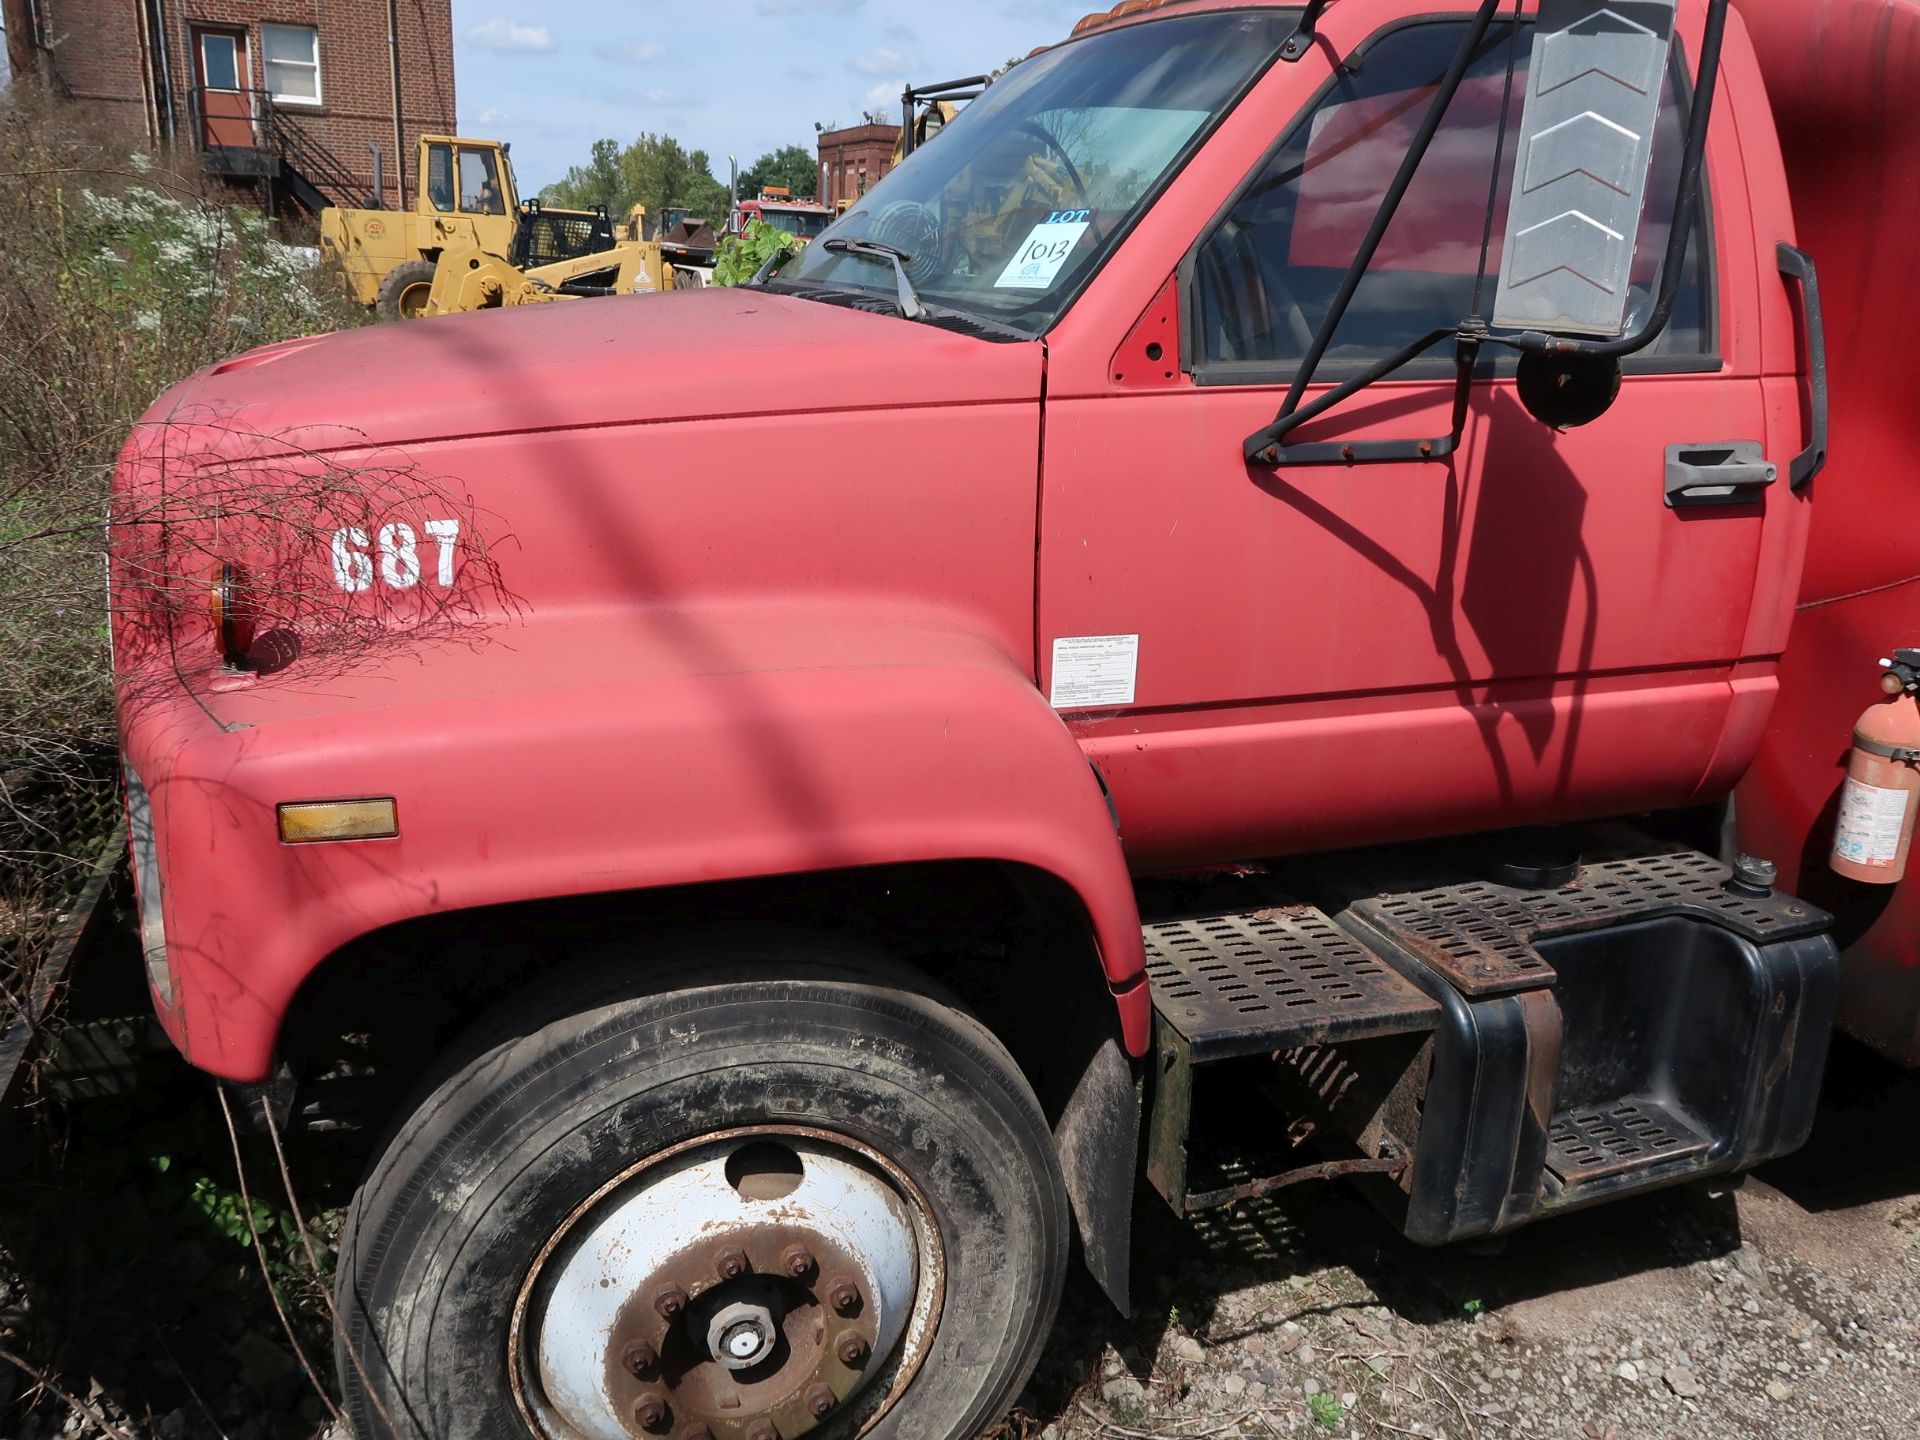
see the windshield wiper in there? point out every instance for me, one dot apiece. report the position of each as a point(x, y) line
point(910, 306)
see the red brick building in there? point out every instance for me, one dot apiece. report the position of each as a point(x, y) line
point(853, 160)
point(286, 95)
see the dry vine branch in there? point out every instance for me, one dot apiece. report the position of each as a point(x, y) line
point(66, 1397)
point(266, 1273)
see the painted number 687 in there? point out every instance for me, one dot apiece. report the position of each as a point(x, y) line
point(393, 555)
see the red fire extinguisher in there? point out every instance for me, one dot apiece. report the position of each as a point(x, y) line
point(1874, 828)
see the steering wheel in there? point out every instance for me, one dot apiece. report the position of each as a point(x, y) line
point(1073, 171)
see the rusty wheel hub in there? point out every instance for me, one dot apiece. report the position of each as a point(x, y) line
point(753, 1287)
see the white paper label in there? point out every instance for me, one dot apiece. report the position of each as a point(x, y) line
point(1871, 819)
point(1036, 264)
point(1094, 672)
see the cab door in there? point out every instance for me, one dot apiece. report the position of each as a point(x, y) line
point(1270, 659)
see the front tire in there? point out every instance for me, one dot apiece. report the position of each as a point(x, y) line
point(403, 293)
point(841, 1176)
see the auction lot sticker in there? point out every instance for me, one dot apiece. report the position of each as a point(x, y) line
point(1036, 264)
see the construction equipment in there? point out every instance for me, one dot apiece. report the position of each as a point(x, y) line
point(769, 923)
point(928, 109)
point(465, 199)
point(556, 255)
point(469, 278)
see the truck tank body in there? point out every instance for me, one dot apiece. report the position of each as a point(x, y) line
point(1841, 75)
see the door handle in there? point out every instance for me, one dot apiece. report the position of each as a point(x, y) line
point(1733, 473)
point(1796, 264)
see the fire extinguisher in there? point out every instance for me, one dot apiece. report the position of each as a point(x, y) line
point(1878, 803)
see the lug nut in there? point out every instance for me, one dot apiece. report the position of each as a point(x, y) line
point(852, 1348)
point(669, 1301)
point(762, 1430)
point(696, 1432)
point(798, 1261)
point(731, 1264)
point(639, 1356)
point(843, 1295)
point(819, 1401)
point(652, 1413)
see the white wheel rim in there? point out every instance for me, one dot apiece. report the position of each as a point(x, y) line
point(754, 1352)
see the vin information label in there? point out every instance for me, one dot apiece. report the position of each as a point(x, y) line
point(1094, 672)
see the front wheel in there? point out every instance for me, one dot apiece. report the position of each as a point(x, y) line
point(779, 1190)
point(404, 292)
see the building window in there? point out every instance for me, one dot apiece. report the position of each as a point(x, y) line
point(219, 60)
point(293, 63)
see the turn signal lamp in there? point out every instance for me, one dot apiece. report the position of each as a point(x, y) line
point(233, 613)
point(306, 821)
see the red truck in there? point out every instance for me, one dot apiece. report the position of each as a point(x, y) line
point(776, 206)
point(1203, 721)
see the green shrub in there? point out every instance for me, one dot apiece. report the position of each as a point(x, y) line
point(123, 274)
point(741, 256)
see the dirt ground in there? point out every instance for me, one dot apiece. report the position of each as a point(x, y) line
point(1786, 1307)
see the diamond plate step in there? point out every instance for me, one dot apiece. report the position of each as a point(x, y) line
point(1482, 935)
point(1630, 1134)
point(1273, 979)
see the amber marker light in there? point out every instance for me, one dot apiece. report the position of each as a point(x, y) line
point(230, 606)
point(306, 821)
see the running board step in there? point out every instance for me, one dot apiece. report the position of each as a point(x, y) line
point(1607, 1140)
point(1256, 985)
point(1272, 979)
point(1482, 935)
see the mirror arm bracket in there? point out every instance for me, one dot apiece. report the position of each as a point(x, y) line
point(1264, 446)
point(1304, 33)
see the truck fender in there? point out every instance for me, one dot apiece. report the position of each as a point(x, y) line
point(619, 784)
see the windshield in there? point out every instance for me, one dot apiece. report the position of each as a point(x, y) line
point(803, 223)
point(1024, 193)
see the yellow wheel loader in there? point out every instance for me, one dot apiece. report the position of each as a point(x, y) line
point(470, 278)
point(464, 199)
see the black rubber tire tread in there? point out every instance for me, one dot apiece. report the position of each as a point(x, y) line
point(408, 273)
point(553, 1093)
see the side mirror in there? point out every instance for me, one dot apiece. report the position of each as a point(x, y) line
point(1580, 169)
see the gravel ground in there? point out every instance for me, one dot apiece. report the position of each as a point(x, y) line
point(1787, 1308)
point(1784, 1308)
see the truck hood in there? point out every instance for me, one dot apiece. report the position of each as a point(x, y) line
point(702, 354)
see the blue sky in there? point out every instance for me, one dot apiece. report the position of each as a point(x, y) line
point(738, 77)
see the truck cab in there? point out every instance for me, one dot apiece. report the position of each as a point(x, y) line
point(1239, 654)
point(777, 207)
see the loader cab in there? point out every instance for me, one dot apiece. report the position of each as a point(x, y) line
point(466, 177)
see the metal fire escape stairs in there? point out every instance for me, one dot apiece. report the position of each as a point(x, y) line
point(279, 150)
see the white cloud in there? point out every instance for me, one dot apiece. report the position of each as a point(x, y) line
point(494, 115)
point(882, 61)
point(631, 52)
point(885, 96)
point(658, 98)
point(497, 34)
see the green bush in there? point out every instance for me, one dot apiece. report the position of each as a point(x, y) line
point(123, 274)
point(741, 256)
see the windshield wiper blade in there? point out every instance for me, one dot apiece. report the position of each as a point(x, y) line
point(910, 306)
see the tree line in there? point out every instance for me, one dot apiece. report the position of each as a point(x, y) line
point(657, 171)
